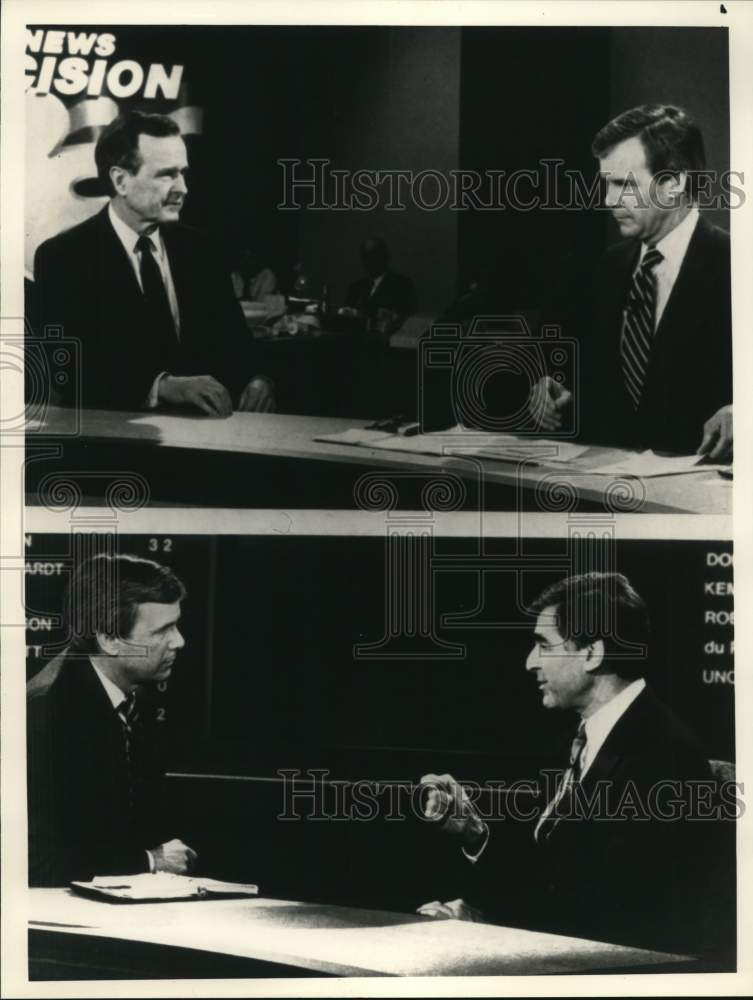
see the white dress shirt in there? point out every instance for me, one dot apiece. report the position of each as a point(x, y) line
point(598, 727)
point(116, 695)
point(601, 723)
point(128, 237)
point(673, 248)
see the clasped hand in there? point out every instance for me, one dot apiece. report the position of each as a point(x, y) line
point(205, 393)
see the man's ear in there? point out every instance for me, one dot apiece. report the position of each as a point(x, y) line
point(670, 187)
point(117, 179)
point(108, 644)
point(595, 655)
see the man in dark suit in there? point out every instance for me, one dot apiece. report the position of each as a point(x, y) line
point(614, 853)
point(147, 298)
point(95, 780)
point(382, 298)
point(654, 323)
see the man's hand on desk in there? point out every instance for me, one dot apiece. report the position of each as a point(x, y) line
point(201, 391)
point(547, 403)
point(717, 436)
point(258, 396)
point(446, 802)
point(175, 857)
point(456, 909)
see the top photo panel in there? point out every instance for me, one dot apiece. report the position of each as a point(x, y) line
point(370, 268)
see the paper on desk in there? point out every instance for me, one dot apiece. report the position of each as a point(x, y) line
point(355, 435)
point(458, 441)
point(508, 448)
point(647, 464)
point(162, 886)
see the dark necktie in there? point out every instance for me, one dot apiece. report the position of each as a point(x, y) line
point(551, 817)
point(638, 326)
point(128, 712)
point(159, 314)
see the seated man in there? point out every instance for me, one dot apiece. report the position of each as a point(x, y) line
point(95, 782)
point(654, 323)
point(620, 851)
point(154, 315)
point(382, 299)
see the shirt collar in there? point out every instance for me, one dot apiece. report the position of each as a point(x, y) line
point(602, 722)
point(127, 236)
point(114, 693)
point(674, 245)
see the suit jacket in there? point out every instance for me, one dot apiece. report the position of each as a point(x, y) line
point(690, 370)
point(395, 292)
point(634, 878)
point(81, 822)
point(86, 285)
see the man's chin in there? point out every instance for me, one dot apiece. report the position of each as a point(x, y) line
point(170, 213)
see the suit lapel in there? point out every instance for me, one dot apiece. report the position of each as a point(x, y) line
point(181, 272)
point(686, 298)
point(113, 259)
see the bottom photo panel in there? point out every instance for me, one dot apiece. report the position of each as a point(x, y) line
point(270, 756)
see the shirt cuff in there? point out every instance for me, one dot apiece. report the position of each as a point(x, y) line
point(152, 864)
point(152, 400)
point(475, 854)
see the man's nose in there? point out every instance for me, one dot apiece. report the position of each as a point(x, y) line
point(532, 661)
point(180, 185)
point(178, 642)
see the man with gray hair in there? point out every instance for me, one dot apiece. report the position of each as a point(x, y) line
point(153, 311)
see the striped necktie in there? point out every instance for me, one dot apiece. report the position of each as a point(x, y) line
point(128, 713)
point(638, 326)
point(552, 814)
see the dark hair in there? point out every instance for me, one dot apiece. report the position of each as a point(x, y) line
point(118, 144)
point(601, 606)
point(671, 139)
point(375, 246)
point(105, 592)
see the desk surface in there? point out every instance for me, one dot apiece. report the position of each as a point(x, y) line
point(289, 436)
point(336, 940)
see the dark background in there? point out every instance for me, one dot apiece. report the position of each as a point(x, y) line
point(269, 680)
point(440, 98)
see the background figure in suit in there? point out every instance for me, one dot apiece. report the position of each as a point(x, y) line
point(612, 855)
point(155, 315)
point(382, 298)
point(95, 781)
point(654, 321)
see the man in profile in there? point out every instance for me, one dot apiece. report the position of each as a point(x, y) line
point(654, 324)
point(95, 781)
point(613, 854)
point(146, 298)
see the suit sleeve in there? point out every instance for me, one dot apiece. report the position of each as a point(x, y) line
point(105, 369)
point(67, 837)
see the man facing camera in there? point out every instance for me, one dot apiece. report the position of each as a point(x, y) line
point(95, 781)
point(617, 852)
point(146, 298)
point(654, 325)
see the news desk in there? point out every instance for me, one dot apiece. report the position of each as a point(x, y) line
point(71, 937)
point(273, 461)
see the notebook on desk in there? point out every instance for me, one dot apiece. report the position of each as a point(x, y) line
point(160, 887)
